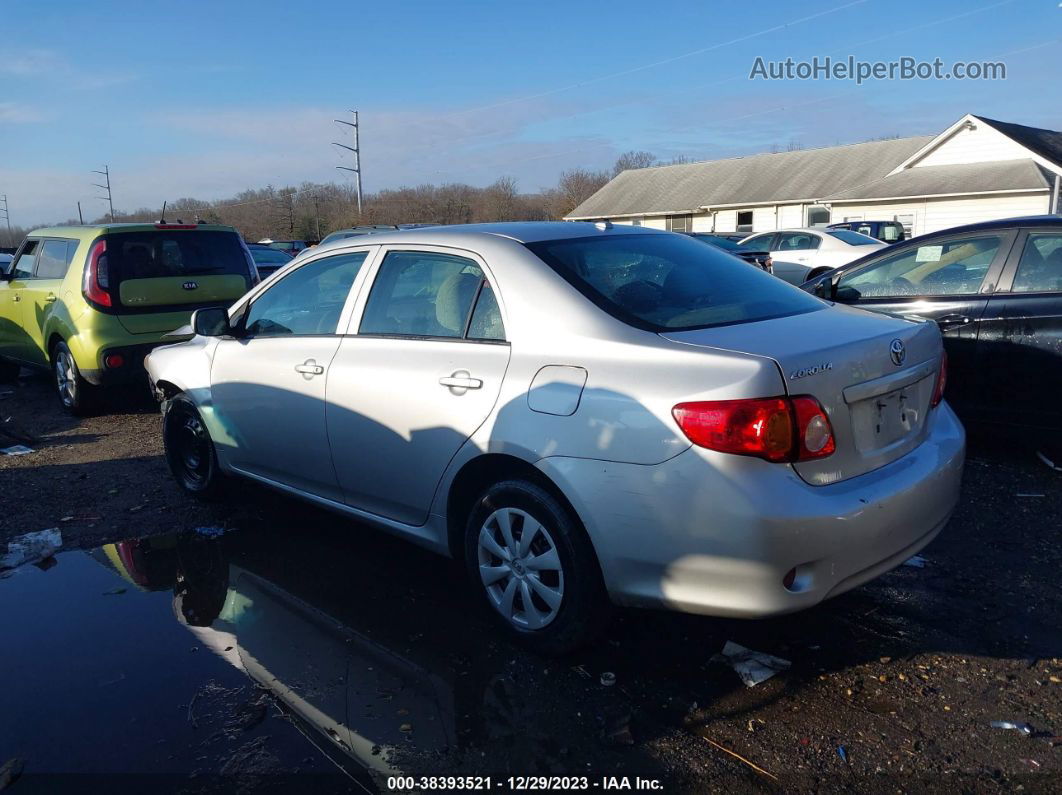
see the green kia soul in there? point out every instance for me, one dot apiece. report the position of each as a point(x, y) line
point(91, 301)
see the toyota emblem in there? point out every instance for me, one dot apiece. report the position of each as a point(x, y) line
point(898, 352)
point(195, 285)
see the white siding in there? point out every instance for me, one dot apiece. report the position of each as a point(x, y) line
point(726, 221)
point(702, 222)
point(763, 219)
point(931, 215)
point(791, 216)
point(659, 222)
point(981, 145)
point(943, 213)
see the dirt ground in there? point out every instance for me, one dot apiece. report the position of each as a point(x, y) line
point(892, 687)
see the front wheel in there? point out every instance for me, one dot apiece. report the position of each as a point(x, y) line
point(534, 565)
point(190, 450)
point(76, 394)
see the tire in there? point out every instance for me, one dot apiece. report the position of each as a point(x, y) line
point(76, 395)
point(569, 605)
point(190, 451)
point(9, 371)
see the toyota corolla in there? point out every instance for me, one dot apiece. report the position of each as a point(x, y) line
point(583, 414)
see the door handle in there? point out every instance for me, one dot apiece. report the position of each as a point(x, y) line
point(50, 298)
point(951, 321)
point(309, 369)
point(461, 380)
point(16, 298)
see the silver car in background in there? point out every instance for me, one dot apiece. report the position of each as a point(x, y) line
point(583, 414)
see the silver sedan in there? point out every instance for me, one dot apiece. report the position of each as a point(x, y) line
point(583, 414)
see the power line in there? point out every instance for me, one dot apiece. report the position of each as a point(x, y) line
point(106, 174)
point(357, 154)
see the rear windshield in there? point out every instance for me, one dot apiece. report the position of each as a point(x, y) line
point(662, 282)
point(851, 238)
point(153, 255)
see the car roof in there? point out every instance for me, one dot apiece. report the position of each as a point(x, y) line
point(1000, 223)
point(467, 234)
point(93, 230)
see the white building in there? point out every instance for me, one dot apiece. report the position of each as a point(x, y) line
point(976, 170)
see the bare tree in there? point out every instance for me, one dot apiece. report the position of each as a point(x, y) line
point(575, 187)
point(633, 159)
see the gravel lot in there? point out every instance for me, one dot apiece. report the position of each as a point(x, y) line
point(905, 674)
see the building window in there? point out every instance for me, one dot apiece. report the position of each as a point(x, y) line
point(907, 222)
point(744, 221)
point(818, 216)
point(679, 223)
point(636, 222)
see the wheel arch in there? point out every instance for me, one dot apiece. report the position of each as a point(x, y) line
point(479, 474)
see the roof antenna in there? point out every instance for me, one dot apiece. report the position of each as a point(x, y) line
point(162, 220)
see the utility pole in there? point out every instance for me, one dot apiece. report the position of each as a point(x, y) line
point(317, 215)
point(7, 218)
point(357, 155)
point(106, 174)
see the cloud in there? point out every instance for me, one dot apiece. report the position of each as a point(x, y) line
point(28, 62)
point(13, 113)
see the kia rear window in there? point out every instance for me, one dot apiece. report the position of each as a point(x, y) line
point(178, 255)
point(670, 282)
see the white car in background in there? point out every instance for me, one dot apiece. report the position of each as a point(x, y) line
point(802, 254)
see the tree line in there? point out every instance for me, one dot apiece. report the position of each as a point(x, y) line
point(310, 211)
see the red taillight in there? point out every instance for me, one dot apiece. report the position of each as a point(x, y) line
point(97, 276)
point(942, 381)
point(776, 429)
point(114, 360)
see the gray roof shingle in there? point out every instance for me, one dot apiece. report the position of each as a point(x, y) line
point(802, 175)
point(953, 179)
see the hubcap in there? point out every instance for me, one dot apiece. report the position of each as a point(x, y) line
point(65, 377)
point(520, 568)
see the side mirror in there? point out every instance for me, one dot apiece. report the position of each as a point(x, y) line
point(211, 322)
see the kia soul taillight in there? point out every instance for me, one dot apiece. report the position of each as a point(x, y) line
point(96, 282)
point(778, 429)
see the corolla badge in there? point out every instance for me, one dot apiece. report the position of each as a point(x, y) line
point(898, 352)
point(804, 372)
point(190, 285)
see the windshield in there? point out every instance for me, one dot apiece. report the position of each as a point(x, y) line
point(269, 256)
point(664, 282)
point(852, 238)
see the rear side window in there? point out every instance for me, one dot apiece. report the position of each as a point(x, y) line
point(1040, 268)
point(164, 254)
point(428, 294)
point(667, 282)
point(55, 258)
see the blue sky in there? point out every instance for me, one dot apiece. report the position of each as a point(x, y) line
point(207, 99)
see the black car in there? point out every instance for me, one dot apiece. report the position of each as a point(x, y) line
point(761, 259)
point(885, 231)
point(268, 259)
point(995, 290)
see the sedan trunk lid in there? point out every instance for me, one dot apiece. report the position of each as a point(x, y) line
point(873, 374)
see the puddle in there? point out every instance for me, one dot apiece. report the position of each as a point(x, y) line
point(250, 658)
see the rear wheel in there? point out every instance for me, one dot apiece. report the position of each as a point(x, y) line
point(8, 371)
point(76, 394)
point(190, 450)
point(535, 567)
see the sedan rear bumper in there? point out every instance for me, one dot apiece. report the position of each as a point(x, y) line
point(711, 533)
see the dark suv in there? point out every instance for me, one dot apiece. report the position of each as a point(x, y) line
point(995, 290)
